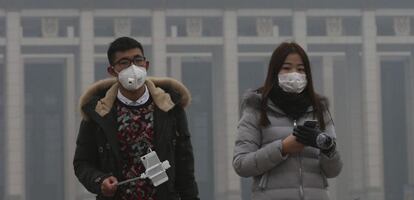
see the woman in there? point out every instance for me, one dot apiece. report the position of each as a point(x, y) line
point(287, 158)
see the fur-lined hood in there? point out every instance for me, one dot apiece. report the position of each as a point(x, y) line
point(161, 98)
point(251, 99)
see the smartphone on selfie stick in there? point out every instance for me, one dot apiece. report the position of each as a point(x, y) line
point(154, 170)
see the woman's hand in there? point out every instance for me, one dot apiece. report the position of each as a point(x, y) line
point(290, 145)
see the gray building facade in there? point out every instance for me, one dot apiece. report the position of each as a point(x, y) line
point(362, 60)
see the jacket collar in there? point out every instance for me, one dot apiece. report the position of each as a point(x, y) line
point(140, 101)
point(161, 98)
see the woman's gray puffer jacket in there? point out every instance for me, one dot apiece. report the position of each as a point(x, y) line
point(258, 154)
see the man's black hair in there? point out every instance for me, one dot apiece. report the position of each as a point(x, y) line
point(122, 44)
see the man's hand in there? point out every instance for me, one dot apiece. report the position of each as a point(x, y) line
point(109, 186)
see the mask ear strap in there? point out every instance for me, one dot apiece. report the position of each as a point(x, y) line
point(113, 68)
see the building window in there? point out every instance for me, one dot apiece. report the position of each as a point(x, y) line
point(264, 26)
point(100, 69)
point(122, 26)
point(2, 27)
point(50, 27)
point(44, 130)
point(199, 116)
point(394, 128)
point(252, 74)
point(194, 27)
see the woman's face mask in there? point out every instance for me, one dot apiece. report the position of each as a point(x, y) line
point(132, 77)
point(292, 82)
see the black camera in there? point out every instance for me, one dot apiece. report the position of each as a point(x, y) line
point(323, 140)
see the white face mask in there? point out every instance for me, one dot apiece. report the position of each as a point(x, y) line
point(292, 82)
point(132, 77)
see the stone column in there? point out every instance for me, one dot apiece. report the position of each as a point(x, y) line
point(300, 28)
point(176, 68)
point(87, 49)
point(14, 117)
point(372, 118)
point(226, 111)
point(231, 103)
point(219, 138)
point(354, 175)
point(328, 91)
point(328, 81)
point(70, 127)
point(159, 47)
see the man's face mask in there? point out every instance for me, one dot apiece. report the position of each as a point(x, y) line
point(132, 77)
point(292, 82)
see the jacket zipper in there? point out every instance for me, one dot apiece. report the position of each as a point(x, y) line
point(301, 193)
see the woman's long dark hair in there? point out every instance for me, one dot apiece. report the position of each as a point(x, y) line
point(279, 55)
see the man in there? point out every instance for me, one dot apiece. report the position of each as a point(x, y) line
point(124, 118)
